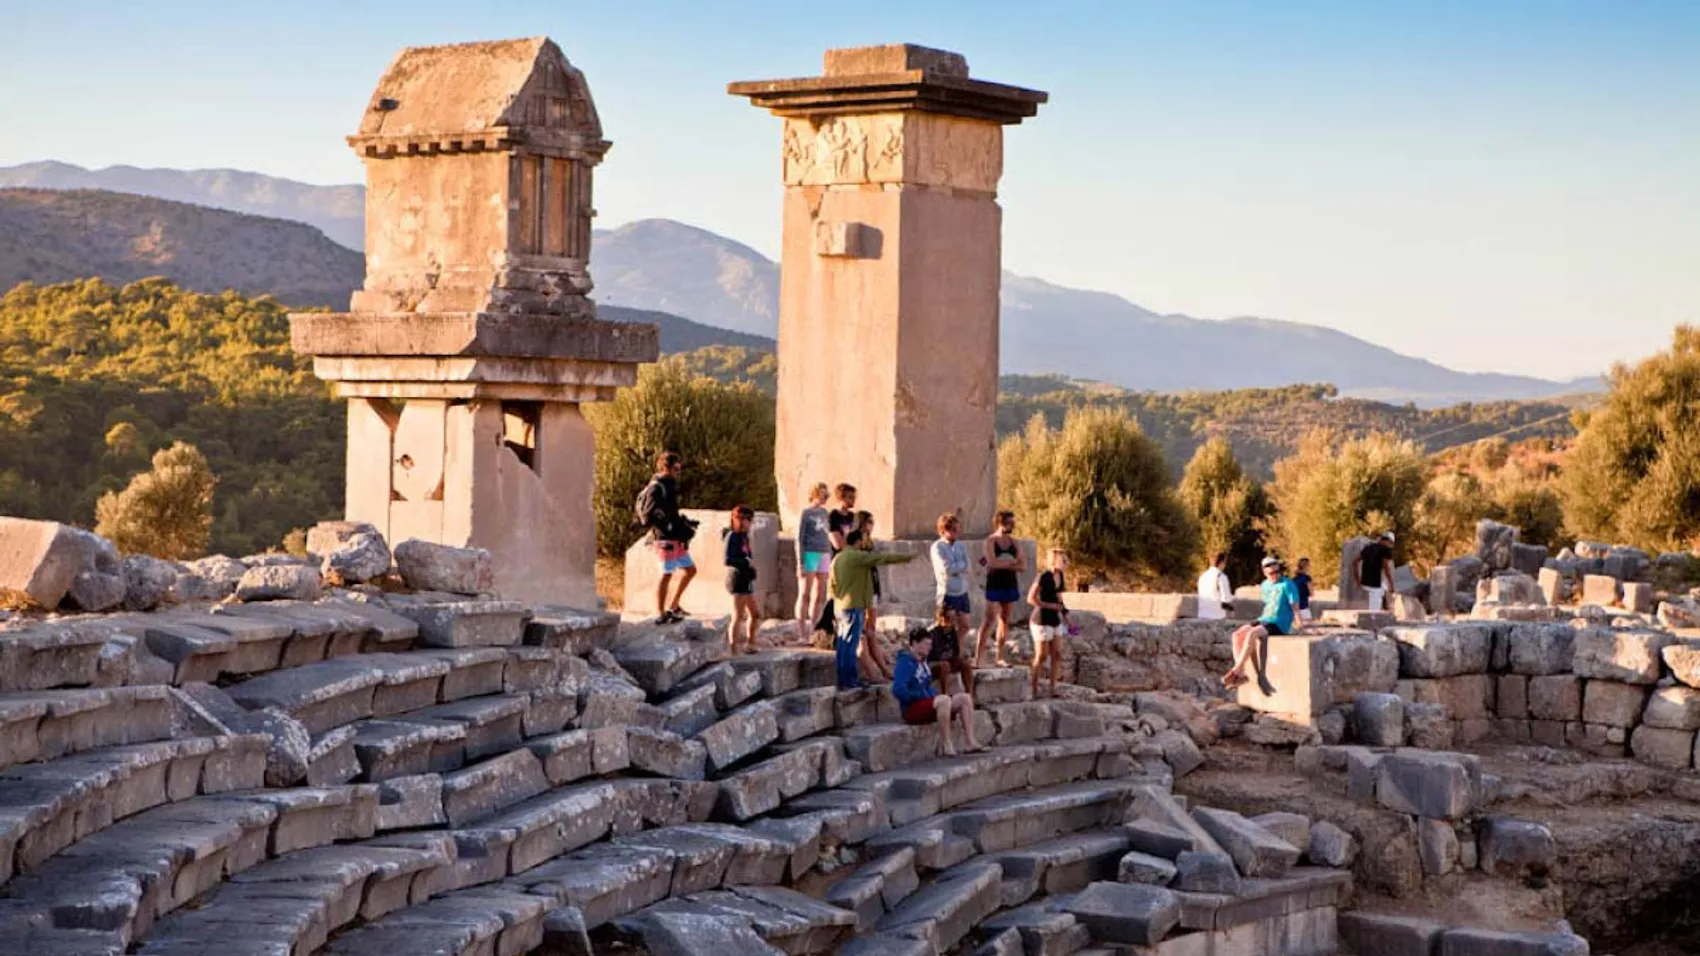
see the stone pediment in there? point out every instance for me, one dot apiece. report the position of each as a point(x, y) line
point(481, 96)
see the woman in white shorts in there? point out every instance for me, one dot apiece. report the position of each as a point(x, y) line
point(1049, 620)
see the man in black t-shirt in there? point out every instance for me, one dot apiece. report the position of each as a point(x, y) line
point(1373, 571)
point(840, 521)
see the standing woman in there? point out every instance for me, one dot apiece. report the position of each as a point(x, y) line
point(1004, 564)
point(840, 521)
point(814, 560)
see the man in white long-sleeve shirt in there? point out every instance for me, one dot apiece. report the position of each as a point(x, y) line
point(1215, 591)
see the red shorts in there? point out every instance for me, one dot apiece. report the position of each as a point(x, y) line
point(920, 712)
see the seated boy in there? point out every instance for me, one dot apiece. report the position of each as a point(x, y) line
point(912, 685)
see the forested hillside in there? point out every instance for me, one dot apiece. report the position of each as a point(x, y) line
point(95, 377)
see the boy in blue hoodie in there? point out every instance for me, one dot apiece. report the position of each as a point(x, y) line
point(912, 685)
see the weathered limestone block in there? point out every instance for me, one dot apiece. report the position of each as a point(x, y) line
point(1311, 673)
point(1437, 846)
point(1158, 839)
point(1332, 846)
point(1606, 653)
point(93, 590)
point(1509, 588)
point(1507, 847)
point(1351, 595)
point(1494, 543)
point(666, 754)
point(1684, 662)
point(1428, 726)
point(1206, 872)
point(1442, 650)
point(1663, 747)
point(1555, 587)
point(1466, 697)
point(1179, 752)
point(1555, 697)
point(1528, 558)
point(1613, 703)
point(406, 803)
point(1600, 589)
point(1673, 708)
point(1378, 720)
point(1362, 932)
point(484, 788)
point(1293, 828)
point(1126, 913)
point(279, 582)
point(147, 581)
point(358, 558)
point(1638, 597)
point(1511, 697)
point(1441, 786)
point(1137, 867)
point(40, 559)
point(1541, 649)
point(658, 666)
point(427, 566)
point(1443, 590)
point(1255, 851)
point(1484, 942)
point(740, 734)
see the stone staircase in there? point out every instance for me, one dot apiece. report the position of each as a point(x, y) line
point(437, 774)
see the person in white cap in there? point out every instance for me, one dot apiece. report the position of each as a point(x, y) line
point(1280, 609)
point(1373, 571)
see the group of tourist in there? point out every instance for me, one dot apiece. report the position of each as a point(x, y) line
point(838, 589)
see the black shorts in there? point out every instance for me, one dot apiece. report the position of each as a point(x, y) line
point(1273, 629)
point(944, 648)
point(740, 583)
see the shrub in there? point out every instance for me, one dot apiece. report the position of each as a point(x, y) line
point(1099, 488)
point(1332, 490)
point(1634, 474)
point(1230, 507)
point(165, 512)
point(724, 431)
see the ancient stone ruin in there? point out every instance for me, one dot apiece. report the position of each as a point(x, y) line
point(400, 745)
point(467, 353)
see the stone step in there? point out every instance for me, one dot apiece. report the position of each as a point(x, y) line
point(119, 881)
point(1066, 864)
point(660, 665)
point(293, 903)
point(1303, 888)
point(785, 919)
point(463, 622)
point(47, 725)
point(876, 888)
point(943, 910)
point(764, 786)
point(783, 671)
point(54, 654)
point(47, 807)
point(575, 631)
point(731, 685)
point(887, 746)
point(740, 734)
point(1041, 927)
point(1010, 821)
point(485, 920)
point(923, 789)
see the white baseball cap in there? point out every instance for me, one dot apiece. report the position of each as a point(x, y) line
point(1388, 535)
point(1271, 561)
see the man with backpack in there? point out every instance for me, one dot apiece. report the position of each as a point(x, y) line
point(657, 509)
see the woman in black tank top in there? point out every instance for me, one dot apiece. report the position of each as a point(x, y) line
point(1003, 564)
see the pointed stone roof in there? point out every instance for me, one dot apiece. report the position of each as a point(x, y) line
point(481, 96)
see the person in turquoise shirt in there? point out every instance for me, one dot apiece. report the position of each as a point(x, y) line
point(1280, 610)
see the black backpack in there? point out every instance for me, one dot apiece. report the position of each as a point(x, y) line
point(643, 510)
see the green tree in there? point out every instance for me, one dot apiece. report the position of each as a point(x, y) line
point(165, 512)
point(724, 431)
point(1099, 488)
point(1230, 507)
point(1332, 490)
point(1633, 476)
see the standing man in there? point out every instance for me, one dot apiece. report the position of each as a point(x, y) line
point(1373, 570)
point(1215, 591)
point(852, 588)
point(1301, 580)
point(950, 578)
point(657, 509)
point(840, 521)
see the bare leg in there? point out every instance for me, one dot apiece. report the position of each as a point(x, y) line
point(963, 706)
point(1003, 634)
point(1041, 650)
point(986, 631)
point(941, 675)
point(805, 604)
point(941, 710)
point(685, 577)
point(872, 659)
point(1056, 664)
point(732, 625)
point(661, 592)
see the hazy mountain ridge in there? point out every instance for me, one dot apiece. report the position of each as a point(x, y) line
point(659, 265)
point(337, 211)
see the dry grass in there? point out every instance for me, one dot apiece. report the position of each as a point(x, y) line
point(611, 582)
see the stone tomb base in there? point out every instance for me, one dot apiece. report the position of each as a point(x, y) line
point(1310, 673)
point(906, 589)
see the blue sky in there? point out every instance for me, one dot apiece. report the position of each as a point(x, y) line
point(1492, 185)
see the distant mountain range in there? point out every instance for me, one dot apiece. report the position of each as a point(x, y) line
point(662, 266)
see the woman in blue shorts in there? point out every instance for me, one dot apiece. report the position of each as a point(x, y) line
point(1004, 564)
point(814, 560)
